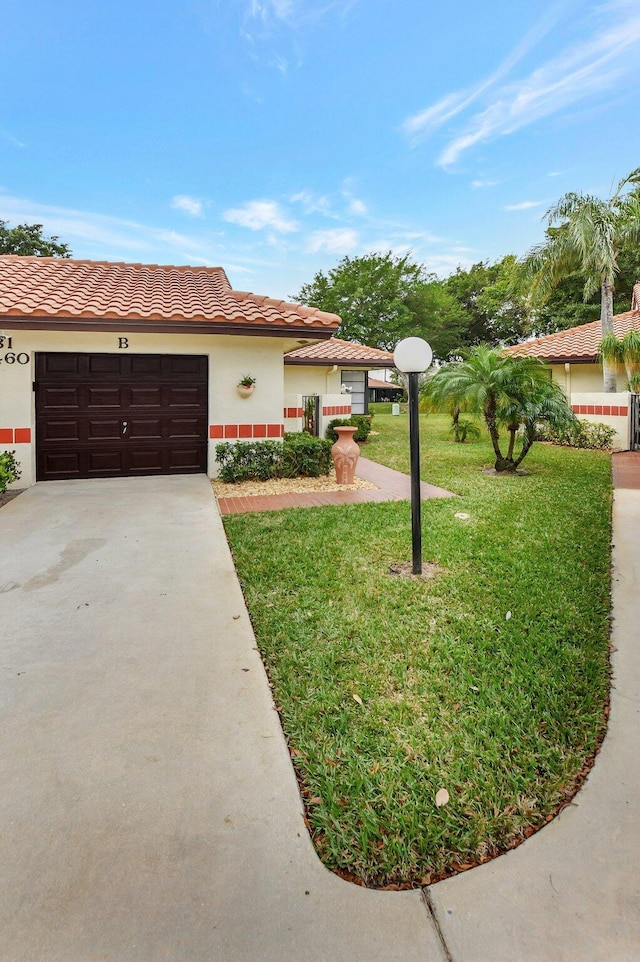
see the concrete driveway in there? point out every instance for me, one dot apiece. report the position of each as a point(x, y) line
point(148, 806)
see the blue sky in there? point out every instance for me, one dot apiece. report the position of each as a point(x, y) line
point(273, 137)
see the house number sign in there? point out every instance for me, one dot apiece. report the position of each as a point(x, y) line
point(8, 355)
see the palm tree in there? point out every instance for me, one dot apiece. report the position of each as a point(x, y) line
point(511, 392)
point(588, 237)
point(623, 351)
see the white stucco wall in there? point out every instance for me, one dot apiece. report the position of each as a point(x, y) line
point(311, 380)
point(609, 409)
point(576, 378)
point(230, 357)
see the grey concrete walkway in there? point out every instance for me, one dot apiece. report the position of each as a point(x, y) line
point(148, 806)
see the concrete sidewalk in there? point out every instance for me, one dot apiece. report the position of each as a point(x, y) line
point(149, 809)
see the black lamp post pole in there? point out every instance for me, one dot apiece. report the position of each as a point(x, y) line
point(414, 448)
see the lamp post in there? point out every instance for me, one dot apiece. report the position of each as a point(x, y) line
point(413, 356)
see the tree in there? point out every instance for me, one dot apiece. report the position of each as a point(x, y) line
point(624, 351)
point(510, 392)
point(495, 306)
point(370, 294)
point(28, 239)
point(589, 235)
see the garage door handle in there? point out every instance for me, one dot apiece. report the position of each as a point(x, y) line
point(125, 425)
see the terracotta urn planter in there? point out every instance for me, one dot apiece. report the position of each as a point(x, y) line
point(345, 453)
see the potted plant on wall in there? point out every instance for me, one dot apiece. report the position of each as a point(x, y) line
point(246, 385)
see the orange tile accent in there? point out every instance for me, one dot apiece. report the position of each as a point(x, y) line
point(259, 430)
point(606, 409)
point(23, 436)
point(615, 410)
point(6, 435)
point(245, 430)
point(231, 430)
point(273, 430)
point(623, 412)
point(216, 431)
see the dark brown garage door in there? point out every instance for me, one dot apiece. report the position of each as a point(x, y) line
point(108, 415)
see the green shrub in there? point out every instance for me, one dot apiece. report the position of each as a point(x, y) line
point(248, 460)
point(304, 455)
point(9, 469)
point(297, 455)
point(584, 434)
point(360, 421)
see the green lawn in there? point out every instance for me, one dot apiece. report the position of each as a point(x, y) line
point(490, 682)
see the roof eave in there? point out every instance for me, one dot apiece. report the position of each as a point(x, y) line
point(340, 362)
point(159, 326)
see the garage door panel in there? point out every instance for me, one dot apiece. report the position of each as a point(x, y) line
point(63, 465)
point(103, 429)
point(145, 428)
point(185, 397)
point(61, 429)
point(104, 364)
point(187, 459)
point(109, 396)
point(185, 428)
point(148, 396)
point(100, 464)
point(104, 397)
point(62, 398)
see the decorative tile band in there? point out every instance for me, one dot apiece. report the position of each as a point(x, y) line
point(245, 431)
point(293, 413)
point(610, 410)
point(15, 435)
point(337, 409)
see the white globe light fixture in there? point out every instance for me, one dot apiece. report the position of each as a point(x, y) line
point(413, 356)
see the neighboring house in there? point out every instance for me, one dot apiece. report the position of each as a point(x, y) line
point(111, 369)
point(334, 371)
point(573, 358)
point(383, 390)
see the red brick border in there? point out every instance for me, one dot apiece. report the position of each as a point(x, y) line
point(609, 410)
point(245, 431)
point(15, 435)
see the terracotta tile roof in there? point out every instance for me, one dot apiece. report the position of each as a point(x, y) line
point(57, 290)
point(377, 383)
point(576, 343)
point(335, 351)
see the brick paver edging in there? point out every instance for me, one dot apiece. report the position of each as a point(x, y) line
point(390, 486)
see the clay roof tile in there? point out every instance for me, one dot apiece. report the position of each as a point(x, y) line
point(61, 288)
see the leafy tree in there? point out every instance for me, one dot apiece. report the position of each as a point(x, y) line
point(588, 238)
point(28, 239)
point(495, 306)
point(509, 392)
point(370, 294)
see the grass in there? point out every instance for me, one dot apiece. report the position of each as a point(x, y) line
point(490, 681)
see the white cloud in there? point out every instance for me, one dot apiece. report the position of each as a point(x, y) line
point(258, 214)
point(188, 204)
point(312, 203)
point(342, 240)
point(11, 139)
point(357, 207)
point(525, 205)
point(476, 184)
point(584, 69)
